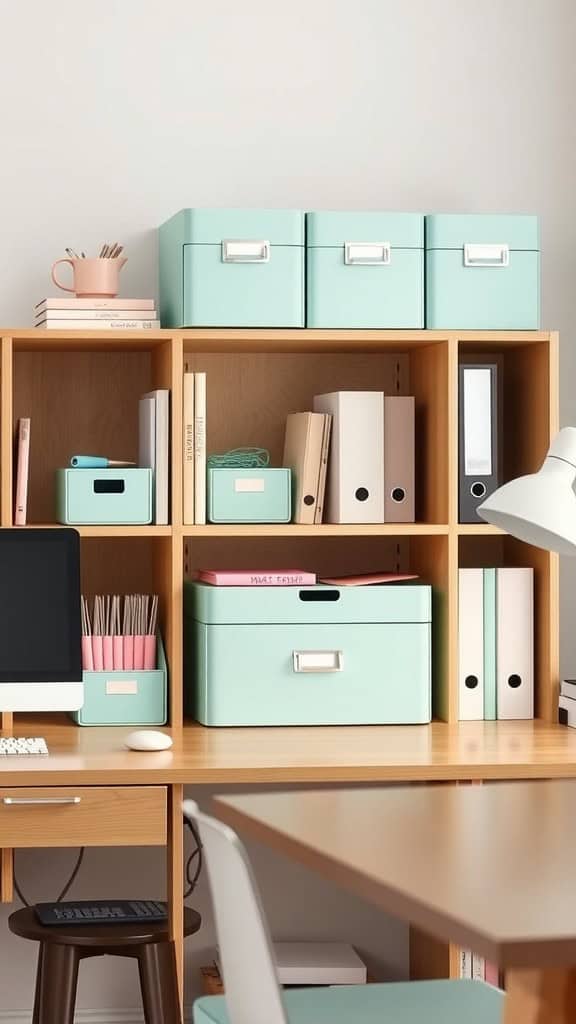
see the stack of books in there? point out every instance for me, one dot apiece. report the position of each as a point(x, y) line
point(96, 314)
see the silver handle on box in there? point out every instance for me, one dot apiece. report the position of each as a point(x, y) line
point(486, 255)
point(318, 661)
point(12, 801)
point(245, 251)
point(368, 253)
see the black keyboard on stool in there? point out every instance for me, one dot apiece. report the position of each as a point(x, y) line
point(102, 912)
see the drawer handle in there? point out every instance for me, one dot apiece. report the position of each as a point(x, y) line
point(486, 255)
point(368, 253)
point(41, 801)
point(245, 251)
point(318, 661)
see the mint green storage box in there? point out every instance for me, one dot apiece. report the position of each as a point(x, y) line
point(126, 698)
point(482, 272)
point(104, 496)
point(249, 495)
point(307, 655)
point(365, 269)
point(232, 268)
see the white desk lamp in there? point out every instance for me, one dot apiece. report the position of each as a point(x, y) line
point(540, 508)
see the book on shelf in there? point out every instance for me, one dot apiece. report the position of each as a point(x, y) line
point(22, 471)
point(154, 442)
point(465, 963)
point(478, 967)
point(200, 448)
point(148, 315)
point(306, 444)
point(188, 451)
point(369, 579)
point(61, 304)
point(495, 643)
point(59, 323)
point(257, 577)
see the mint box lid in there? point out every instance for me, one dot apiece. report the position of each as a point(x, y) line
point(212, 226)
point(325, 228)
point(454, 230)
point(321, 603)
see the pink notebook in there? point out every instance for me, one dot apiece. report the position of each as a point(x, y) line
point(257, 578)
point(368, 579)
point(22, 471)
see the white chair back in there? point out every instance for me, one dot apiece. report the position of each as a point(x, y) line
point(253, 995)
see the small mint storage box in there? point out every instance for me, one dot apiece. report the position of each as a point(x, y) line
point(104, 496)
point(482, 272)
point(131, 697)
point(232, 268)
point(307, 655)
point(249, 495)
point(365, 270)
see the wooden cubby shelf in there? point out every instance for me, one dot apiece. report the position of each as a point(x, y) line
point(82, 389)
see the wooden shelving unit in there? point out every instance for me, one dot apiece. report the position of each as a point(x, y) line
point(82, 391)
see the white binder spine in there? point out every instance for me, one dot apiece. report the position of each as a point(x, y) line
point(515, 643)
point(355, 492)
point(470, 644)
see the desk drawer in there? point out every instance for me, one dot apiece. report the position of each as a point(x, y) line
point(83, 816)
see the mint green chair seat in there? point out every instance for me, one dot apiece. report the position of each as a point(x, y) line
point(411, 1002)
point(253, 995)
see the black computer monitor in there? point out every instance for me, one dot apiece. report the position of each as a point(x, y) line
point(40, 623)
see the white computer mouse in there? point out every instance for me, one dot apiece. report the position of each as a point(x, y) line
point(148, 739)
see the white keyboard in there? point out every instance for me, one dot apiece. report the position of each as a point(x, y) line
point(22, 746)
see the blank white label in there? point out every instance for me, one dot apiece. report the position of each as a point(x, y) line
point(249, 484)
point(477, 426)
point(121, 687)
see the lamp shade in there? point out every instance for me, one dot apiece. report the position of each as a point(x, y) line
point(540, 508)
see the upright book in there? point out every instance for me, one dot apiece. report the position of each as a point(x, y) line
point(399, 471)
point(23, 460)
point(154, 447)
point(470, 644)
point(478, 437)
point(188, 449)
point(515, 643)
point(355, 490)
point(200, 448)
point(303, 455)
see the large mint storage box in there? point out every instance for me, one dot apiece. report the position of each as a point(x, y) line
point(107, 496)
point(365, 270)
point(130, 697)
point(308, 656)
point(232, 268)
point(482, 272)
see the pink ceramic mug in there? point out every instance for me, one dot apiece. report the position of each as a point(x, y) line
point(96, 278)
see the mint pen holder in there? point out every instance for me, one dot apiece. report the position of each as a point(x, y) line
point(130, 697)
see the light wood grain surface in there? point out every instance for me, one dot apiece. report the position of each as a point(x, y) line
point(465, 750)
point(490, 867)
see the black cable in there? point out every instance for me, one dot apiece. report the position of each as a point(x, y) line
point(195, 855)
point(66, 888)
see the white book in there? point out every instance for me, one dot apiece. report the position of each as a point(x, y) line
point(147, 440)
point(470, 644)
point(70, 303)
point(355, 485)
point(200, 448)
point(23, 449)
point(478, 967)
point(188, 449)
point(465, 963)
point(161, 399)
point(515, 643)
point(98, 325)
point(94, 314)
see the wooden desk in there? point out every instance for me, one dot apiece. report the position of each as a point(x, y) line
point(96, 761)
point(490, 867)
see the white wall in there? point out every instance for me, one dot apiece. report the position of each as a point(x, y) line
point(114, 114)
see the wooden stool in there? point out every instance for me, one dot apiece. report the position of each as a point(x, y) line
point(63, 946)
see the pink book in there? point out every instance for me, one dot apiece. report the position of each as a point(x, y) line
point(368, 579)
point(22, 472)
point(491, 974)
point(258, 578)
